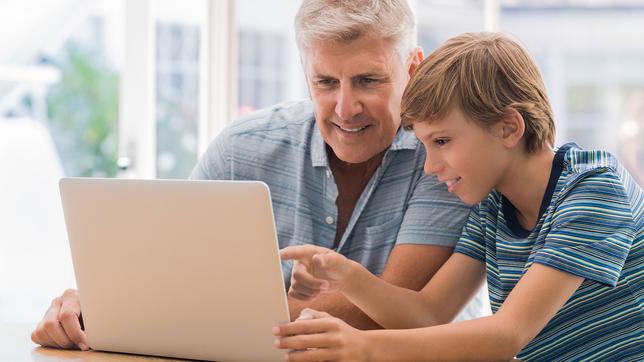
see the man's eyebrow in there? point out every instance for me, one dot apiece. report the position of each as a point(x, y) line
point(322, 75)
point(369, 75)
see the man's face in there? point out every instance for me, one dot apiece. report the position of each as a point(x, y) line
point(356, 89)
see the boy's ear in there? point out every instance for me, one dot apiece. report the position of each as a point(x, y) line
point(512, 128)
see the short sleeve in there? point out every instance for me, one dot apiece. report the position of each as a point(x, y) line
point(472, 240)
point(592, 230)
point(433, 215)
point(214, 164)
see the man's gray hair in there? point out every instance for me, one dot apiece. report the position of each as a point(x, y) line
point(348, 20)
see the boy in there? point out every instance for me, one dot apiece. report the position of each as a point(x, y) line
point(558, 235)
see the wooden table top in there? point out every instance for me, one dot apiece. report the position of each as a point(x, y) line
point(16, 346)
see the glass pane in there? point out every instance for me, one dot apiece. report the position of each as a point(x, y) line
point(439, 20)
point(178, 35)
point(59, 73)
point(591, 55)
point(269, 65)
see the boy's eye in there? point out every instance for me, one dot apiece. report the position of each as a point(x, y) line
point(441, 141)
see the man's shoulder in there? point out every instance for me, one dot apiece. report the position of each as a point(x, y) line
point(288, 117)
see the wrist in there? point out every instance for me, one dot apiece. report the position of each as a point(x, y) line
point(352, 281)
point(370, 346)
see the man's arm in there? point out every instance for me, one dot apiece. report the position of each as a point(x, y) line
point(409, 266)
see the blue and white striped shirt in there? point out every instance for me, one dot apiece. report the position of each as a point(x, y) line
point(282, 147)
point(592, 226)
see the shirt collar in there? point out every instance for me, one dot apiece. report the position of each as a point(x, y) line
point(404, 140)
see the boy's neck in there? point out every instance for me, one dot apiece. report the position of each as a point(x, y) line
point(525, 184)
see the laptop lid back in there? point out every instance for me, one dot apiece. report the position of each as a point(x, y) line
point(185, 269)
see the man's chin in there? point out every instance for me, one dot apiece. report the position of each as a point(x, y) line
point(351, 155)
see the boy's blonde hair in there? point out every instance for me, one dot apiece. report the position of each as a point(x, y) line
point(484, 74)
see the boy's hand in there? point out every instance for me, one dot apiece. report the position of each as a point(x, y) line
point(315, 270)
point(318, 336)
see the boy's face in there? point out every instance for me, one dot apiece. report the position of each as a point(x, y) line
point(356, 90)
point(470, 159)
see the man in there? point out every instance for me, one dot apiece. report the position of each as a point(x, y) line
point(342, 172)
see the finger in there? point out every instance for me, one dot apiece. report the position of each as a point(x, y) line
point(39, 336)
point(306, 313)
point(304, 341)
point(310, 326)
point(302, 293)
point(310, 313)
point(69, 317)
point(322, 264)
point(304, 278)
point(321, 354)
point(51, 326)
point(300, 252)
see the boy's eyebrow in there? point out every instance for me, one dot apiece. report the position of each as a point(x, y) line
point(431, 134)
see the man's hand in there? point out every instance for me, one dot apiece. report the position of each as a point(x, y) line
point(60, 327)
point(315, 270)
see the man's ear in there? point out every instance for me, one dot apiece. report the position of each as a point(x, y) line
point(512, 128)
point(416, 57)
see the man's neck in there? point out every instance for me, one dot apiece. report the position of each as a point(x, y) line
point(362, 169)
point(351, 180)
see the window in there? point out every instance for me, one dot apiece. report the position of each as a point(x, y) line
point(268, 62)
point(177, 87)
point(59, 79)
point(591, 56)
point(85, 92)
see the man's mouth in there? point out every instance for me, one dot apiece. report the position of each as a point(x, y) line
point(351, 130)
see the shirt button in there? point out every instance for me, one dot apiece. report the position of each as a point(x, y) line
point(329, 220)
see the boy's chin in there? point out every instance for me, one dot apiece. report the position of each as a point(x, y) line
point(471, 201)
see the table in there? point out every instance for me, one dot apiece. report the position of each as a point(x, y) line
point(16, 346)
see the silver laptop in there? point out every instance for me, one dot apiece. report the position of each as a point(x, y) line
point(186, 269)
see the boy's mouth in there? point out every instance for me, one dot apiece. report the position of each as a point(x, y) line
point(451, 182)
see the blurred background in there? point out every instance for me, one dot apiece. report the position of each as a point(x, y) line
point(137, 88)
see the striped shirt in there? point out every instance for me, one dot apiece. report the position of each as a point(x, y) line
point(591, 226)
point(282, 147)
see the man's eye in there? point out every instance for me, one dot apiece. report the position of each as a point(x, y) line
point(368, 81)
point(325, 82)
point(441, 141)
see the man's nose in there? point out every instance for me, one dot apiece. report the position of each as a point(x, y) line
point(347, 103)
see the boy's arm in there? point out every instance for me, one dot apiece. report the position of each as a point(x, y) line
point(540, 293)
point(534, 301)
point(438, 302)
point(409, 266)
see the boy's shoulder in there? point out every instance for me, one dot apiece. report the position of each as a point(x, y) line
point(587, 173)
point(579, 161)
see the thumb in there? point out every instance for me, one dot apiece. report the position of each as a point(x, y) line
point(319, 264)
point(308, 313)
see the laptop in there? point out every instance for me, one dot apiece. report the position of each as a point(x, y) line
point(186, 269)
